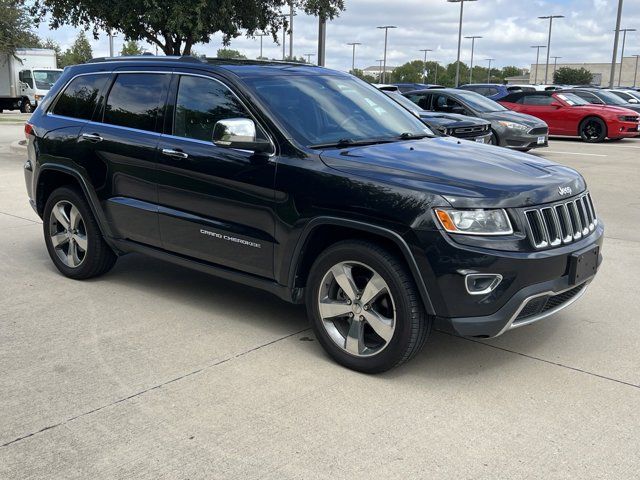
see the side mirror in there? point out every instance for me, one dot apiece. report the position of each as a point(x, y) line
point(458, 110)
point(239, 133)
point(633, 100)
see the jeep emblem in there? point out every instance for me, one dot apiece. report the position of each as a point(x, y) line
point(564, 191)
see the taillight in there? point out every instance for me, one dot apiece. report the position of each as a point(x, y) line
point(28, 130)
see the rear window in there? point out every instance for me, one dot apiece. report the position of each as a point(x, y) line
point(136, 99)
point(81, 96)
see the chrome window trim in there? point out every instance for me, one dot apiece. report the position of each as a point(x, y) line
point(160, 72)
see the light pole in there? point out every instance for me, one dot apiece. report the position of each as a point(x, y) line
point(261, 35)
point(615, 45)
point(550, 17)
point(535, 81)
point(380, 69)
point(309, 55)
point(384, 57)
point(473, 43)
point(435, 80)
point(461, 2)
point(284, 33)
point(635, 74)
point(489, 74)
point(624, 39)
point(555, 67)
point(353, 54)
point(111, 37)
point(291, 15)
point(424, 70)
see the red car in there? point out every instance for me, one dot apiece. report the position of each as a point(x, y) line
point(569, 115)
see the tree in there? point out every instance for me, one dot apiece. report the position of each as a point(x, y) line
point(229, 53)
point(131, 47)
point(410, 72)
point(572, 76)
point(175, 25)
point(510, 71)
point(15, 27)
point(79, 52)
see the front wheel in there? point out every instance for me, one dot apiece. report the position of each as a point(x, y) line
point(593, 130)
point(73, 238)
point(365, 308)
point(26, 107)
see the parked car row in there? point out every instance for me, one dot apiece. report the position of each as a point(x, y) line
point(522, 117)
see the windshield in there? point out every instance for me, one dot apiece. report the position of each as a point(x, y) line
point(45, 78)
point(572, 99)
point(611, 98)
point(479, 103)
point(319, 110)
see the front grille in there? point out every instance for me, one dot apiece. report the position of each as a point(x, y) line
point(465, 132)
point(540, 305)
point(630, 118)
point(539, 131)
point(561, 223)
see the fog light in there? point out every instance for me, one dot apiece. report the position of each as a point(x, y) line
point(481, 283)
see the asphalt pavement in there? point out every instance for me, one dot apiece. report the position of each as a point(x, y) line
point(154, 371)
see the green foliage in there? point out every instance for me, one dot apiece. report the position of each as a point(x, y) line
point(131, 47)
point(362, 76)
point(572, 76)
point(510, 71)
point(410, 72)
point(79, 52)
point(229, 53)
point(176, 25)
point(15, 27)
point(53, 45)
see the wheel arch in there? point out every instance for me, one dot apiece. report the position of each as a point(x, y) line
point(323, 232)
point(51, 177)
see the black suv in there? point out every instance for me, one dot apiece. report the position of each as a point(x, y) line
point(313, 185)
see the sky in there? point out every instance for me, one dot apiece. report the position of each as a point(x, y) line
point(508, 28)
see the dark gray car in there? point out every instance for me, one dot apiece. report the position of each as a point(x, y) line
point(509, 129)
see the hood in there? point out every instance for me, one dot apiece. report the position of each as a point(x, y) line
point(450, 119)
point(465, 173)
point(509, 116)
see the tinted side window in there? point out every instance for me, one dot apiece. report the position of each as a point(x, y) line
point(135, 100)
point(589, 97)
point(538, 100)
point(80, 97)
point(491, 91)
point(422, 100)
point(200, 104)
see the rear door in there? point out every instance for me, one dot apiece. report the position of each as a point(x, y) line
point(540, 106)
point(120, 148)
point(216, 203)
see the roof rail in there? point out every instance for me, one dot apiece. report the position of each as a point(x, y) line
point(147, 58)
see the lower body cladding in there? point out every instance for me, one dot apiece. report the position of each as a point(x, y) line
point(484, 293)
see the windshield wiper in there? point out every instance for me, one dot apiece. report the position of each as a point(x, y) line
point(413, 136)
point(350, 142)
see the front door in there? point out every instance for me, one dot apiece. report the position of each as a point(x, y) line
point(216, 203)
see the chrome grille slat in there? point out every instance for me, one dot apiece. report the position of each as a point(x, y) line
point(561, 223)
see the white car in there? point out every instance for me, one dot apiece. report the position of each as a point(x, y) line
point(631, 96)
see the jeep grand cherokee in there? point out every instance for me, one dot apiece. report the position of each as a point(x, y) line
point(313, 185)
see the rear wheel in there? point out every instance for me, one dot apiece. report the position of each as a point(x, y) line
point(593, 130)
point(365, 308)
point(73, 238)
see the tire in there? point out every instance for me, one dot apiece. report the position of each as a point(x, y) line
point(26, 107)
point(402, 325)
point(593, 130)
point(77, 230)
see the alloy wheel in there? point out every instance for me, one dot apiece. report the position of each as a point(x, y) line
point(357, 309)
point(592, 129)
point(68, 234)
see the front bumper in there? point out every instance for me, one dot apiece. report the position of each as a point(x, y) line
point(524, 141)
point(534, 284)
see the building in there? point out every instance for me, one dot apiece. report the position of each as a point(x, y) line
point(601, 72)
point(375, 70)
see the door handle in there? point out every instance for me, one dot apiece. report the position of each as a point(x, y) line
point(174, 153)
point(92, 137)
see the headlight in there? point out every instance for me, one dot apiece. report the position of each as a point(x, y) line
point(475, 222)
point(514, 126)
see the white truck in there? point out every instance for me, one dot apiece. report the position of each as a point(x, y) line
point(26, 77)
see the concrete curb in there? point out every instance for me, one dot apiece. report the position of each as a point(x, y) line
point(19, 146)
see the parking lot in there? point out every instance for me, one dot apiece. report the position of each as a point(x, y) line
point(154, 371)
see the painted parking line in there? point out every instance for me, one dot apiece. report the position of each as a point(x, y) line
point(576, 153)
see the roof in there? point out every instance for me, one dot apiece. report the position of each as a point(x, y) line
point(240, 67)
